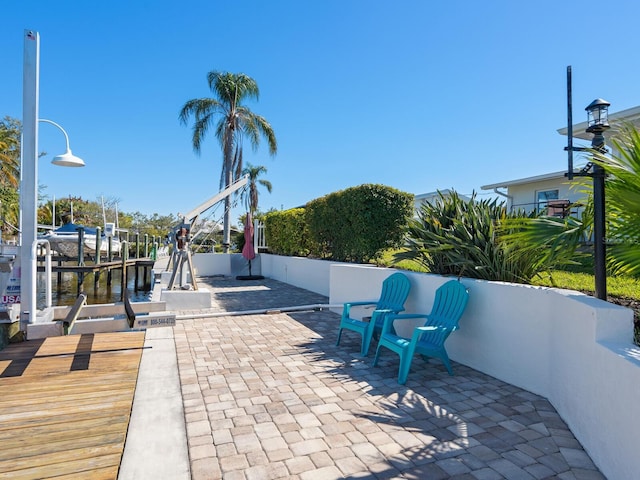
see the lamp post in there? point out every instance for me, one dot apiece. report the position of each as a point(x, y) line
point(29, 175)
point(597, 123)
point(67, 159)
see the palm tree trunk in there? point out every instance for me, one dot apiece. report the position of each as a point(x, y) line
point(226, 232)
point(228, 180)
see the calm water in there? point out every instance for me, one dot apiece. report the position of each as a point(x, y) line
point(66, 292)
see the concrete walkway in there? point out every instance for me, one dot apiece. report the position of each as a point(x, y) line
point(270, 396)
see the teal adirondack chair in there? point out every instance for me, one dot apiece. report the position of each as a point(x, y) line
point(448, 306)
point(395, 290)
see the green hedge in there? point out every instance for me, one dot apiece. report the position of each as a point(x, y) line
point(352, 225)
point(286, 232)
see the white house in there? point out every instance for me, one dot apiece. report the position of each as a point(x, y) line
point(553, 192)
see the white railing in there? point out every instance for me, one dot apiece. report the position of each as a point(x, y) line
point(259, 240)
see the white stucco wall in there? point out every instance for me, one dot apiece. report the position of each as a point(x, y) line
point(208, 264)
point(312, 275)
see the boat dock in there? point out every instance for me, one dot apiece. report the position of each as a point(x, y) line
point(66, 404)
point(98, 267)
point(142, 268)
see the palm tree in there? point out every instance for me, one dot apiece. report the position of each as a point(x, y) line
point(10, 131)
point(233, 121)
point(623, 201)
point(253, 172)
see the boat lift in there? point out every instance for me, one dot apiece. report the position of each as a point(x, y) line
point(181, 236)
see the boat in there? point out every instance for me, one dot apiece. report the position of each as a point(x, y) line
point(64, 240)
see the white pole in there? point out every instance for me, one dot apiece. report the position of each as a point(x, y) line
point(47, 269)
point(29, 176)
point(104, 214)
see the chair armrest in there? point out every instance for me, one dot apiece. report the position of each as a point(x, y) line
point(347, 306)
point(409, 316)
point(408, 323)
point(382, 311)
point(389, 319)
point(426, 328)
point(358, 304)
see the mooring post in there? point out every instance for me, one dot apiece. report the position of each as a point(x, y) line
point(80, 258)
point(96, 275)
point(109, 259)
point(98, 244)
point(135, 280)
point(123, 280)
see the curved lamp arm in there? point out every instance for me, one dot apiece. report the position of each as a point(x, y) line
point(67, 159)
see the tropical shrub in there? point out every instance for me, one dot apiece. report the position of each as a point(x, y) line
point(454, 236)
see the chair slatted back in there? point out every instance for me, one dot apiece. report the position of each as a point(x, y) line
point(448, 306)
point(395, 290)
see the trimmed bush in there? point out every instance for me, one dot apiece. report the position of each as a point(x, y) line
point(286, 232)
point(359, 223)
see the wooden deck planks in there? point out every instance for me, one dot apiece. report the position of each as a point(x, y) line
point(65, 404)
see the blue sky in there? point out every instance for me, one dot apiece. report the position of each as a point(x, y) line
point(417, 95)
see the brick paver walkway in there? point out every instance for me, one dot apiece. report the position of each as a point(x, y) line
point(270, 396)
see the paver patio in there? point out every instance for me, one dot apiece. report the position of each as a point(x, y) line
point(270, 396)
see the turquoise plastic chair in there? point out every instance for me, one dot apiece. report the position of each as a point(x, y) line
point(395, 290)
point(448, 306)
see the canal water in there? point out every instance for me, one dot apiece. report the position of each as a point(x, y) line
point(66, 291)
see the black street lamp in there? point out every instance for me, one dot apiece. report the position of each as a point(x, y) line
point(597, 123)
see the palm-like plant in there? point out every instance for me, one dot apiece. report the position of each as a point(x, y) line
point(560, 238)
point(233, 121)
point(623, 201)
point(253, 172)
point(453, 236)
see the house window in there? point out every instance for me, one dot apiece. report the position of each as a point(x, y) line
point(543, 197)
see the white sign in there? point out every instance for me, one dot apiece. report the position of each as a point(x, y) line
point(154, 320)
point(9, 276)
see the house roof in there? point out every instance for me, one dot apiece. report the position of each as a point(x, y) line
point(631, 115)
point(523, 181)
point(436, 194)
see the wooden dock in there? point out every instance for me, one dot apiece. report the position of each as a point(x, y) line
point(65, 404)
